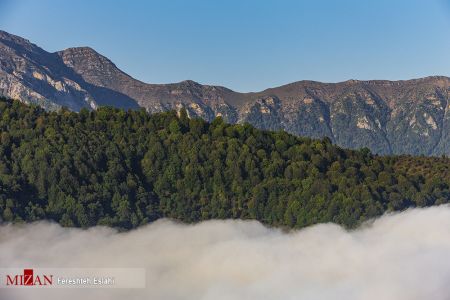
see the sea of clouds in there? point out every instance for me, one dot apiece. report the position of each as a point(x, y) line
point(396, 257)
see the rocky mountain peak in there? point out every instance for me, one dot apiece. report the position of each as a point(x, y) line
point(190, 83)
point(389, 117)
point(5, 36)
point(85, 58)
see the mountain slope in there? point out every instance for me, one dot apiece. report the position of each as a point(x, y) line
point(33, 75)
point(124, 169)
point(389, 117)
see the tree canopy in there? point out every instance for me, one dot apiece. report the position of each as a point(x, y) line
point(127, 168)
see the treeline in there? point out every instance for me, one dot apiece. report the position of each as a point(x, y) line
point(127, 168)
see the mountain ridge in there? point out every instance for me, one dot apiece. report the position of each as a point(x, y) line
point(128, 168)
point(388, 117)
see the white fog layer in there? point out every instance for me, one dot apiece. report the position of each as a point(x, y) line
point(397, 257)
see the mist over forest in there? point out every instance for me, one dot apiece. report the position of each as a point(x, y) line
point(395, 257)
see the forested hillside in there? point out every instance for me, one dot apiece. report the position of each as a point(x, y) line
point(126, 168)
point(388, 117)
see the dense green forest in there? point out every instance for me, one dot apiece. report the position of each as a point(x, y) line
point(126, 168)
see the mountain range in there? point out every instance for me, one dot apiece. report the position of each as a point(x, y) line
point(388, 117)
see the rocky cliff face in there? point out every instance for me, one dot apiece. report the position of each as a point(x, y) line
point(389, 117)
point(32, 75)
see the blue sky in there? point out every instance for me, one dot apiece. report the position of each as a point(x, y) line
point(246, 45)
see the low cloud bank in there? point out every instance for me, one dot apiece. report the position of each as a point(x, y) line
point(401, 256)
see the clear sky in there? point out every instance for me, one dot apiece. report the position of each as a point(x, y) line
point(246, 45)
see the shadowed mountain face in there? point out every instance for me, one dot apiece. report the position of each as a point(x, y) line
point(389, 117)
point(32, 75)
